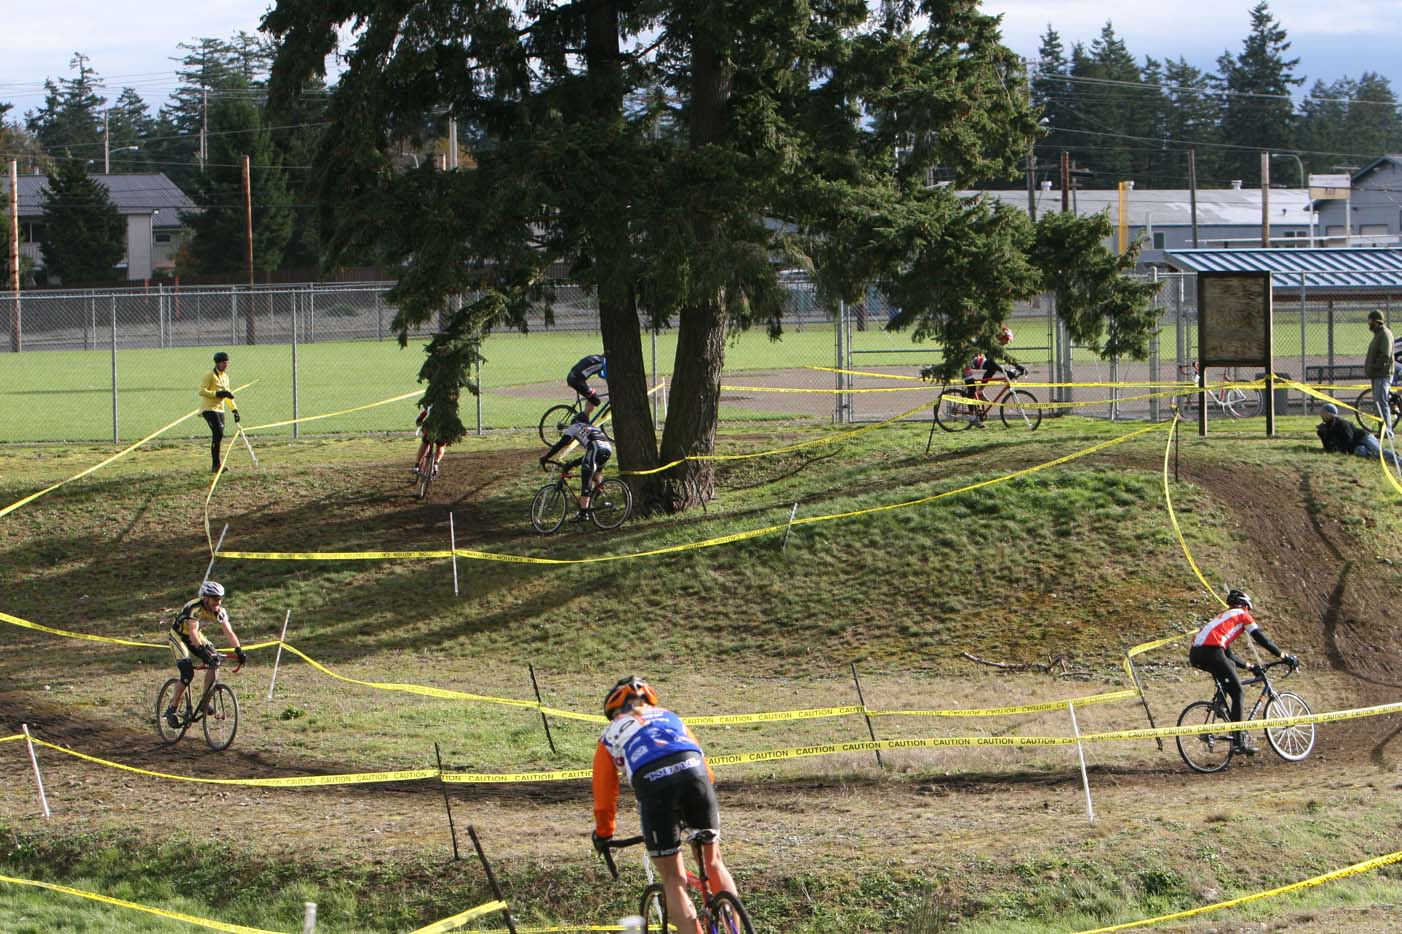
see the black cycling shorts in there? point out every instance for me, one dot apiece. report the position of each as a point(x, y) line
point(581, 385)
point(671, 791)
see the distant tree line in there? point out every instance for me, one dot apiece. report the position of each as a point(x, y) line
point(1124, 119)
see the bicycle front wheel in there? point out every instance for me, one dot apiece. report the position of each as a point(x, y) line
point(425, 481)
point(653, 908)
point(1291, 743)
point(168, 733)
point(555, 420)
point(1242, 403)
point(1204, 752)
point(611, 504)
point(1019, 410)
point(955, 411)
point(221, 717)
point(728, 916)
point(548, 508)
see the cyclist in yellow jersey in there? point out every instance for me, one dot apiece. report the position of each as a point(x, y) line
point(215, 397)
point(187, 642)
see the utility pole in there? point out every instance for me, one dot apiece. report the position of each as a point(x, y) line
point(250, 327)
point(452, 143)
point(106, 144)
point(1065, 182)
point(1193, 191)
point(14, 254)
point(204, 127)
point(1265, 201)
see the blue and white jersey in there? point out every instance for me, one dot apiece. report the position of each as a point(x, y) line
point(646, 734)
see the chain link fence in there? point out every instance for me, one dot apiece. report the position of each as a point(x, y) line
point(118, 364)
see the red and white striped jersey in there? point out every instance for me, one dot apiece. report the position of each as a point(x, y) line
point(1223, 628)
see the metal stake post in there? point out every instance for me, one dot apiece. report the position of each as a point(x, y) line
point(1081, 751)
point(1143, 699)
point(277, 659)
point(296, 428)
point(308, 917)
point(452, 830)
point(491, 877)
point(871, 731)
point(792, 512)
point(38, 779)
point(215, 554)
point(543, 719)
point(453, 547)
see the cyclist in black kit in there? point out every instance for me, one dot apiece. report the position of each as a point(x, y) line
point(597, 451)
point(578, 379)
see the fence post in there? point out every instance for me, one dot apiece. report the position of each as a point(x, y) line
point(837, 331)
point(233, 316)
point(296, 427)
point(477, 366)
point(379, 319)
point(1331, 340)
point(1154, 348)
point(114, 370)
point(491, 877)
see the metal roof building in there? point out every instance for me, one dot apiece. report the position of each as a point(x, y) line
point(1372, 270)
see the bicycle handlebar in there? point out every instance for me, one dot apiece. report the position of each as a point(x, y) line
point(611, 845)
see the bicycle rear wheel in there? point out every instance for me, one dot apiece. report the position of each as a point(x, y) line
point(1366, 407)
point(728, 916)
point(1204, 752)
point(653, 908)
point(954, 411)
point(1242, 403)
point(548, 508)
point(221, 717)
point(425, 480)
point(611, 504)
point(1291, 743)
point(1019, 410)
point(555, 420)
point(168, 733)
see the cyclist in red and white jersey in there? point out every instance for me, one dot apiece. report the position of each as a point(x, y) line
point(671, 780)
point(1212, 652)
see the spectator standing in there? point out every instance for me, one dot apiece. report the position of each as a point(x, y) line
point(1377, 367)
point(215, 397)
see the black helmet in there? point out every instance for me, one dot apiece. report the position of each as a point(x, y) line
point(220, 357)
point(1239, 598)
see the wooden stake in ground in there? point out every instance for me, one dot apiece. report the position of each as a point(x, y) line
point(543, 719)
point(453, 831)
point(277, 659)
point(453, 547)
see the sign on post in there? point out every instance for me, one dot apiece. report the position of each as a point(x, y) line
point(1234, 329)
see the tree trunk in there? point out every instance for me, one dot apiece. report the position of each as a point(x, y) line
point(694, 403)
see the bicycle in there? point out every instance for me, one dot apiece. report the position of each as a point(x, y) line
point(961, 407)
point(1210, 752)
point(1366, 412)
point(558, 417)
point(721, 912)
point(217, 712)
point(609, 507)
point(1238, 403)
point(425, 471)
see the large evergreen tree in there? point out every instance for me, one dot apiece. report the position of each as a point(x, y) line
point(779, 128)
point(84, 237)
point(1257, 112)
point(1054, 96)
point(1191, 119)
point(70, 119)
point(219, 242)
point(1374, 123)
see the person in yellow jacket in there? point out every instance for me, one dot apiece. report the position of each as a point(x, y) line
point(214, 398)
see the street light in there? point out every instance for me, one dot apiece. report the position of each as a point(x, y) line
point(107, 157)
point(1291, 155)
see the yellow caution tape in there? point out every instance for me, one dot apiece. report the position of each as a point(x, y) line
point(312, 418)
point(408, 688)
point(774, 716)
point(300, 781)
point(122, 903)
point(497, 778)
point(1355, 869)
point(6, 739)
point(458, 920)
point(1090, 699)
point(17, 621)
point(1173, 517)
point(122, 453)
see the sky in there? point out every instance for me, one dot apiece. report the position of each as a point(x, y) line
point(133, 44)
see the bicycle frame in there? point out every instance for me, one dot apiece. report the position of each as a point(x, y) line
point(198, 713)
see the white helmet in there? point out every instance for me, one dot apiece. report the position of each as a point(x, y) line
point(211, 589)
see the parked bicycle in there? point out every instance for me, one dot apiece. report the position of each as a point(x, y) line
point(609, 507)
point(558, 417)
point(217, 712)
point(721, 912)
point(1211, 751)
point(1363, 407)
point(1238, 402)
point(962, 407)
